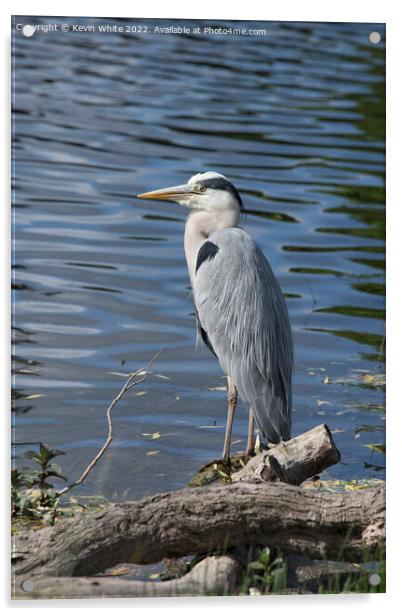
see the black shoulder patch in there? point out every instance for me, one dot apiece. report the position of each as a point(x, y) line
point(204, 334)
point(207, 251)
point(205, 339)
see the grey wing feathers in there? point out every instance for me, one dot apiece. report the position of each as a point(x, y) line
point(241, 308)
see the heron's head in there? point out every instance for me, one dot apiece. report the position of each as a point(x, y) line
point(208, 191)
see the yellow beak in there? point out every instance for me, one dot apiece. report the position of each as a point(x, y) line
point(168, 194)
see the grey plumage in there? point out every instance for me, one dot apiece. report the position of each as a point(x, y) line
point(241, 312)
point(241, 307)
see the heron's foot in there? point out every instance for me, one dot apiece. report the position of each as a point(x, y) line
point(251, 448)
point(226, 461)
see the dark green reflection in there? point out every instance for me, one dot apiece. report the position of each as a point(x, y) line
point(374, 288)
point(281, 216)
point(161, 218)
point(374, 340)
point(380, 249)
point(375, 233)
point(361, 194)
point(321, 271)
point(372, 108)
point(374, 263)
point(354, 311)
point(365, 215)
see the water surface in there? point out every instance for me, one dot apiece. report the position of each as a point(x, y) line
point(296, 120)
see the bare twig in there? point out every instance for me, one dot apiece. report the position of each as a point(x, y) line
point(129, 384)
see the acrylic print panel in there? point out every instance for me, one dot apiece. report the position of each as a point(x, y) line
point(113, 404)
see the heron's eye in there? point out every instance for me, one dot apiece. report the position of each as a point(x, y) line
point(202, 188)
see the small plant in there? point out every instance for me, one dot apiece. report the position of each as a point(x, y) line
point(265, 575)
point(20, 479)
point(32, 494)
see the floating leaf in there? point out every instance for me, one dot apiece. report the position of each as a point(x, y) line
point(153, 435)
point(224, 475)
point(353, 486)
point(152, 452)
point(368, 378)
point(377, 447)
point(337, 485)
point(378, 380)
point(33, 396)
point(154, 576)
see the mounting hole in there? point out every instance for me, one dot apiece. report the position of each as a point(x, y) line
point(28, 30)
point(27, 586)
point(374, 579)
point(375, 38)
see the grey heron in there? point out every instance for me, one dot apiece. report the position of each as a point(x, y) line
point(240, 310)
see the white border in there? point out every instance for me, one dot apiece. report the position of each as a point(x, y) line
point(308, 10)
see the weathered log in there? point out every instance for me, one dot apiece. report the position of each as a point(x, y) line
point(215, 575)
point(293, 461)
point(198, 520)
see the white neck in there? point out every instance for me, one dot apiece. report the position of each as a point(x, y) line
point(200, 226)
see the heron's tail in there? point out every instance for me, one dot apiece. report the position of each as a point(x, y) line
point(273, 417)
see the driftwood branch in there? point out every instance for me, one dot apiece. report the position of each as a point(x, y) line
point(293, 461)
point(215, 575)
point(129, 384)
point(259, 507)
point(198, 520)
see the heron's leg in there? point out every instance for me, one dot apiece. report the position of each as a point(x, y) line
point(250, 437)
point(232, 401)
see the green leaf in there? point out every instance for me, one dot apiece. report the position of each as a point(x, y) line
point(56, 474)
point(21, 477)
point(258, 578)
point(265, 555)
point(34, 456)
point(47, 453)
point(256, 566)
point(16, 478)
